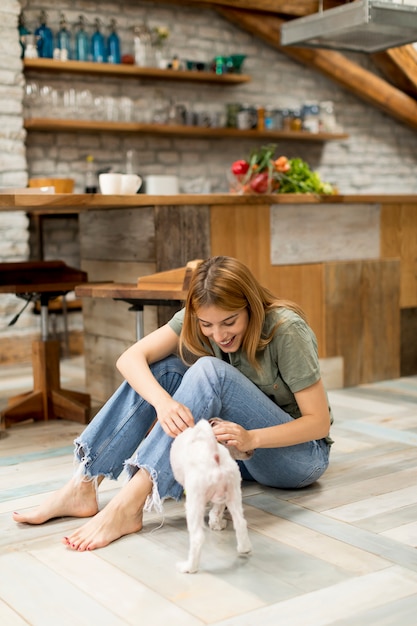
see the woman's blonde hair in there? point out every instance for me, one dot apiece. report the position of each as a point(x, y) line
point(227, 283)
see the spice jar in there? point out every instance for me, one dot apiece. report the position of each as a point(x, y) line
point(296, 122)
point(261, 118)
point(232, 109)
point(311, 119)
point(269, 121)
point(286, 119)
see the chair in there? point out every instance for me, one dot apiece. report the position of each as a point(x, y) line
point(44, 281)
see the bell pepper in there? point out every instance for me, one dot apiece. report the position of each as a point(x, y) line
point(260, 182)
point(282, 164)
point(240, 167)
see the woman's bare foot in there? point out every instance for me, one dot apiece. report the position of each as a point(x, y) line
point(122, 516)
point(75, 499)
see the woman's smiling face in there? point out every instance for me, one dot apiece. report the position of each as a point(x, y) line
point(226, 328)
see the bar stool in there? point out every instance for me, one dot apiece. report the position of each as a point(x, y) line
point(44, 280)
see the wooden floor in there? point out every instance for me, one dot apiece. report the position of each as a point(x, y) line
point(342, 552)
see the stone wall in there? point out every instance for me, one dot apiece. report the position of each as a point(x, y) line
point(380, 155)
point(13, 169)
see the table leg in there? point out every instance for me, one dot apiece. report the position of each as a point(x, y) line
point(47, 400)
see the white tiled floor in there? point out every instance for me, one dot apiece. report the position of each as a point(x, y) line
point(341, 552)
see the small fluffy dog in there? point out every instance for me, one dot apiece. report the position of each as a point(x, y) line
point(208, 474)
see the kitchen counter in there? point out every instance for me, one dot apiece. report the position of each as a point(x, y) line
point(56, 203)
point(349, 260)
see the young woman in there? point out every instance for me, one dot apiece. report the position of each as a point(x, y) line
point(244, 356)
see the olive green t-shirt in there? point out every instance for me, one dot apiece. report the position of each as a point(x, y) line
point(289, 363)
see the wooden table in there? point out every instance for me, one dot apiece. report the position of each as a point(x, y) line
point(162, 288)
point(130, 293)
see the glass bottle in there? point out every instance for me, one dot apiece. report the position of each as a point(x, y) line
point(260, 125)
point(131, 162)
point(45, 40)
point(90, 175)
point(22, 32)
point(64, 39)
point(143, 45)
point(113, 44)
point(31, 50)
point(82, 41)
point(97, 44)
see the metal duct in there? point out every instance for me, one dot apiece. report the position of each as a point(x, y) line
point(361, 26)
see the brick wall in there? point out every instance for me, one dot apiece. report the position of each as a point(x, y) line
point(13, 169)
point(379, 156)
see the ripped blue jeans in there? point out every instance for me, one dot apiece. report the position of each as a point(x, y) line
point(117, 438)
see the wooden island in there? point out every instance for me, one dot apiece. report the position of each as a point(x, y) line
point(349, 261)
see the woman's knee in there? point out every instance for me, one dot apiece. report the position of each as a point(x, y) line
point(170, 369)
point(207, 365)
point(205, 369)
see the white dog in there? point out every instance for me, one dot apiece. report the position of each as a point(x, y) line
point(208, 474)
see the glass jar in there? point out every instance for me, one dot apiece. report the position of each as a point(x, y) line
point(311, 118)
point(327, 117)
point(269, 121)
point(260, 125)
point(296, 122)
point(286, 119)
point(278, 119)
point(232, 109)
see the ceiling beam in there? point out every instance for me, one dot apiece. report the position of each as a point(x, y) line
point(294, 8)
point(399, 65)
point(359, 81)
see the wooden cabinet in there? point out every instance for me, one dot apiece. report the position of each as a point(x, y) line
point(155, 74)
point(361, 309)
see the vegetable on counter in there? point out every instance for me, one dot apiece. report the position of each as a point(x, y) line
point(262, 172)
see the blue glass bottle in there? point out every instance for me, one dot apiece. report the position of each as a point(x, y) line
point(82, 41)
point(113, 44)
point(45, 41)
point(97, 44)
point(64, 39)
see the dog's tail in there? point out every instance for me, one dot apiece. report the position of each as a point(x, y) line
point(204, 426)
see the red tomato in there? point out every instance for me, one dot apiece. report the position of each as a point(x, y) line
point(260, 183)
point(240, 167)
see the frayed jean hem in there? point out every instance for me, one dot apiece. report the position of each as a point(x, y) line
point(82, 461)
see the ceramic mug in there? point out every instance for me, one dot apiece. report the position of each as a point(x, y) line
point(110, 183)
point(130, 184)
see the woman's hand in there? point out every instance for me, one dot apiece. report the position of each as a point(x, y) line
point(174, 417)
point(231, 434)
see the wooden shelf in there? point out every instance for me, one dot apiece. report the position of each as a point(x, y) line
point(98, 126)
point(131, 71)
point(153, 73)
